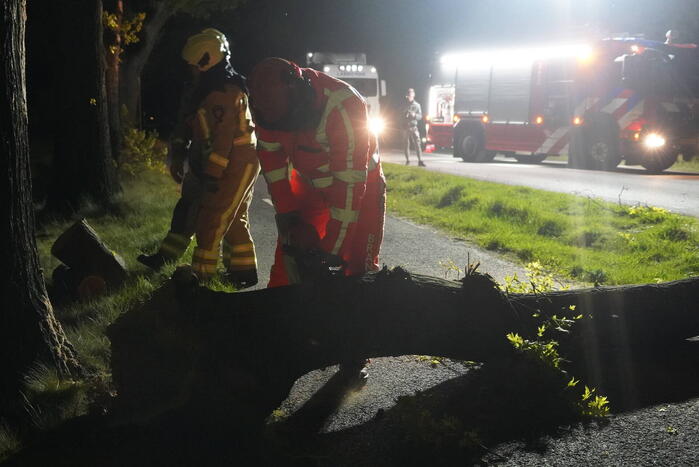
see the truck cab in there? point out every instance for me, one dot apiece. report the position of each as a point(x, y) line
point(597, 102)
point(352, 68)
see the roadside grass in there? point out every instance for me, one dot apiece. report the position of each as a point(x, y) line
point(686, 166)
point(580, 238)
point(136, 224)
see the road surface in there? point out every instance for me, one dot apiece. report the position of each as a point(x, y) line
point(355, 434)
point(675, 191)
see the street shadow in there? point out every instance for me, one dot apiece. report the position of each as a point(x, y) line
point(457, 422)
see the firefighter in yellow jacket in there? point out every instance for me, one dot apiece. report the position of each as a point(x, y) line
point(213, 156)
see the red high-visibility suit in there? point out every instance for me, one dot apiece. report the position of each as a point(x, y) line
point(331, 175)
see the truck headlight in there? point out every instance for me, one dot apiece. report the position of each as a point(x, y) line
point(654, 141)
point(376, 125)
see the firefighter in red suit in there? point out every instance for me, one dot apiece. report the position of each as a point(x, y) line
point(321, 166)
point(322, 170)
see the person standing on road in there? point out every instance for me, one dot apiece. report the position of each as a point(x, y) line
point(214, 138)
point(322, 170)
point(412, 115)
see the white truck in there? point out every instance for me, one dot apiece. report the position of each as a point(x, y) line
point(353, 69)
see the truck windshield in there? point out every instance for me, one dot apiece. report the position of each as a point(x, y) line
point(366, 86)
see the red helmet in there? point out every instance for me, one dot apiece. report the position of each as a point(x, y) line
point(270, 88)
point(277, 88)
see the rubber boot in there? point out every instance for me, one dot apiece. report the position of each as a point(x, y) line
point(155, 261)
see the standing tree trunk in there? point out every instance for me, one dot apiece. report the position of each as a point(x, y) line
point(136, 61)
point(83, 164)
point(28, 329)
point(112, 76)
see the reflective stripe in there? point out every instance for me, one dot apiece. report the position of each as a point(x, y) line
point(344, 215)
point(345, 225)
point(201, 114)
point(174, 245)
point(245, 247)
point(276, 175)
point(178, 239)
point(325, 168)
point(350, 175)
point(321, 182)
point(350, 135)
point(335, 98)
point(248, 261)
point(249, 172)
point(373, 161)
point(206, 269)
point(218, 159)
point(171, 251)
point(269, 146)
point(243, 140)
point(204, 255)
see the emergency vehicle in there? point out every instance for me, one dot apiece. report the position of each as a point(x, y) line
point(353, 70)
point(617, 98)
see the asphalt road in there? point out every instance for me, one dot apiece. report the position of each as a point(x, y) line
point(675, 191)
point(418, 249)
point(354, 432)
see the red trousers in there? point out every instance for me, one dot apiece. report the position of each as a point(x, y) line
point(364, 237)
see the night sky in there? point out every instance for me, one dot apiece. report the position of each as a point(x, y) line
point(402, 38)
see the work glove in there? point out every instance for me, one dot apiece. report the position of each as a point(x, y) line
point(315, 264)
point(296, 232)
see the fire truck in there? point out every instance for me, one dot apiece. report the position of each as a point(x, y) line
point(620, 98)
point(353, 70)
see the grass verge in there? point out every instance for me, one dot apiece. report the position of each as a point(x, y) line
point(136, 224)
point(580, 238)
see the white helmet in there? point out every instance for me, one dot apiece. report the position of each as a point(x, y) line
point(206, 49)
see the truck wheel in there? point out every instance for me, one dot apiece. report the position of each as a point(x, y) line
point(577, 159)
point(602, 142)
point(487, 156)
point(533, 159)
point(469, 143)
point(658, 161)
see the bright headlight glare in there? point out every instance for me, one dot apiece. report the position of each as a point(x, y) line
point(654, 140)
point(326, 69)
point(376, 125)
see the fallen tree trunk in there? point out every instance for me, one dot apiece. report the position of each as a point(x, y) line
point(219, 353)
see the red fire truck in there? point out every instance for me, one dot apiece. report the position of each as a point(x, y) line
point(618, 98)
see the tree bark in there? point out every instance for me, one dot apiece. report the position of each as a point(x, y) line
point(112, 81)
point(240, 353)
point(29, 332)
point(136, 60)
point(83, 164)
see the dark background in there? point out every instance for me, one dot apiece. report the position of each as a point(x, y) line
point(402, 38)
